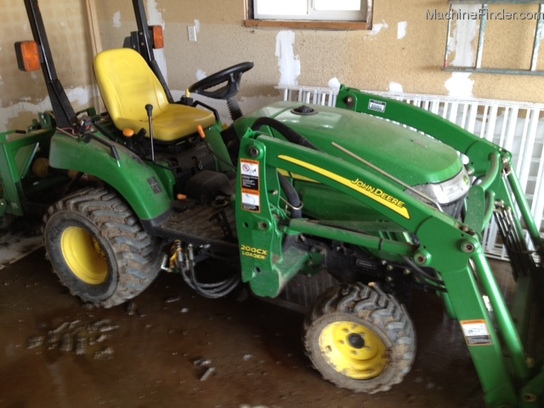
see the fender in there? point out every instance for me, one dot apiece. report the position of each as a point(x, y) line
point(135, 180)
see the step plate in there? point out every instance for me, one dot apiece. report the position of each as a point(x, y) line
point(203, 225)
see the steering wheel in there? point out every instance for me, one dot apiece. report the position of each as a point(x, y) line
point(231, 76)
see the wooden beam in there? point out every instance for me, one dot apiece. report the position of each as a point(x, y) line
point(308, 25)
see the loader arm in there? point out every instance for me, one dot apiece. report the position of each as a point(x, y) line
point(270, 256)
point(487, 160)
point(478, 150)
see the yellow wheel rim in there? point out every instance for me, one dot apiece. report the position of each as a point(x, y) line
point(84, 256)
point(353, 350)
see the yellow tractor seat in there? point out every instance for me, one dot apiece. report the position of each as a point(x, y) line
point(127, 84)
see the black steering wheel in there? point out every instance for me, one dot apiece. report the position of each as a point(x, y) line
point(231, 76)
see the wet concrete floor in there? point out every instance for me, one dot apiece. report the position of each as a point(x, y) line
point(172, 348)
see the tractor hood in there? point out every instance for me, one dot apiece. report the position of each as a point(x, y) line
point(408, 155)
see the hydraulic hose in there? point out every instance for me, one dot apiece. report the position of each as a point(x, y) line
point(285, 131)
point(292, 196)
point(293, 137)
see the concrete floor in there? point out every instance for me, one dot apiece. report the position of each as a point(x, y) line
point(171, 348)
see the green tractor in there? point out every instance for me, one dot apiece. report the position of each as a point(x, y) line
point(385, 197)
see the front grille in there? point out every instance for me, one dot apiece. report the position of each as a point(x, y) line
point(454, 208)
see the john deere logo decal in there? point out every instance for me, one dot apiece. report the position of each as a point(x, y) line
point(379, 194)
point(375, 194)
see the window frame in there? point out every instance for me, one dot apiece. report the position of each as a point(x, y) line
point(309, 21)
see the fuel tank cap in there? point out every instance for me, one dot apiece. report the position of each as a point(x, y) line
point(304, 110)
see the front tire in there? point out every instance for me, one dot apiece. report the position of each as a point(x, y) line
point(360, 338)
point(98, 248)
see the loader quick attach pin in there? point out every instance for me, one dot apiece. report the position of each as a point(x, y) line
point(254, 151)
point(468, 247)
point(422, 257)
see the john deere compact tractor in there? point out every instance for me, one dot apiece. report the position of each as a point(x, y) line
point(385, 197)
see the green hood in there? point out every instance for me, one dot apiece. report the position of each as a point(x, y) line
point(406, 154)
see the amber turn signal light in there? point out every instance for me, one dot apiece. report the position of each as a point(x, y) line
point(28, 55)
point(158, 37)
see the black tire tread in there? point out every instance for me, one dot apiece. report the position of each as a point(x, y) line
point(135, 250)
point(378, 308)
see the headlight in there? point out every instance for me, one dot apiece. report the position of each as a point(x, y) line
point(449, 194)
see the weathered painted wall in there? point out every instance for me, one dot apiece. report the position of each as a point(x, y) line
point(23, 94)
point(403, 52)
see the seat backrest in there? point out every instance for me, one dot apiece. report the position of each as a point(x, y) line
point(127, 84)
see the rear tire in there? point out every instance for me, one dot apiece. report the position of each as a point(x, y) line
point(98, 248)
point(360, 338)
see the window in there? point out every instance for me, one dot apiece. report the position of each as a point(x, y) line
point(305, 11)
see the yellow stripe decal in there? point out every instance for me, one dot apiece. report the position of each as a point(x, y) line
point(357, 185)
point(295, 176)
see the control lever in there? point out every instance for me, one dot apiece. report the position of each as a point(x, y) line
point(149, 110)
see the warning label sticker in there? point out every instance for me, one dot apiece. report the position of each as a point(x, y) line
point(249, 172)
point(476, 332)
point(250, 202)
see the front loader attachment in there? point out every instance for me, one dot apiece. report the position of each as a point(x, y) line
point(275, 245)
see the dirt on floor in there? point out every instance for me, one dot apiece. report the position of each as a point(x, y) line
point(171, 348)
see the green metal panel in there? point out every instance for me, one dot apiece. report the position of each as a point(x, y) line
point(17, 150)
point(134, 179)
point(411, 156)
point(339, 206)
